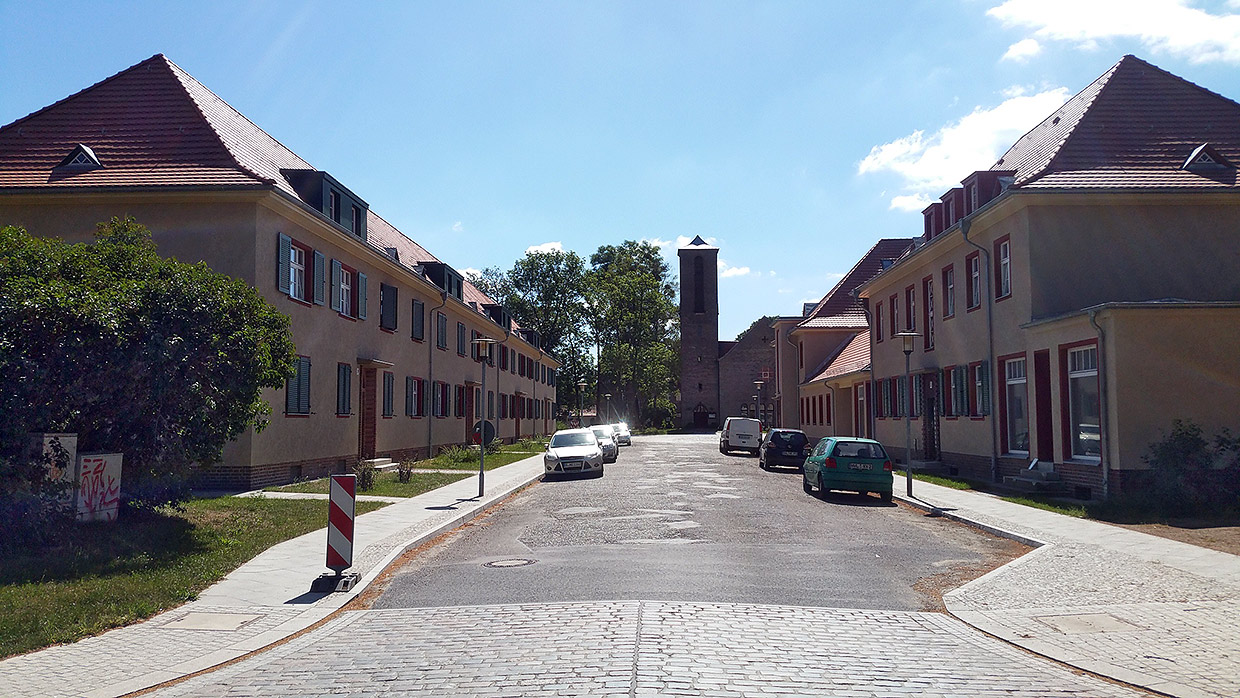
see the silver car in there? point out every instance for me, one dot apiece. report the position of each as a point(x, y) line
point(623, 436)
point(606, 441)
point(573, 451)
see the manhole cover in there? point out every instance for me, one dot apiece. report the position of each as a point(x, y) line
point(514, 562)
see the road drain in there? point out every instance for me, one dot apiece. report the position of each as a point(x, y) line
point(514, 562)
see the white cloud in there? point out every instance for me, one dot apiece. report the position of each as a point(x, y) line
point(771, 273)
point(726, 271)
point(929, 165)
point(910, 202)
point(661, 244)
point(1023, 50)
point(545, 247)
point(471, 272)
point(457, 227)
point(1170, 27)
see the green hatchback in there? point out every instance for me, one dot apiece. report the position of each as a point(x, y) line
point(847, 463)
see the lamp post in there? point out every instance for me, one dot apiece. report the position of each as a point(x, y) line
point(758, 386)
point(907, 338)
point(608, 396)
point(581, 396)
point(484, 352)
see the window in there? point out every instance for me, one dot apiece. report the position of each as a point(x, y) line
point(460, 338)
point(297, 388)
point(441, 399)
point(356, 222)
point(389, 394)
point(413, 397)
point(348, 291)
point(490, 404)
point(344, 389)
point(949, 392)
point(387, 307)
point(949, 291)
point(979, 390)
point(441, 330)
point(1003, 267)
point(974, 264)
point(822, 418)
point(296, 275)
point(418, 330)
point(827, 414)
point(927, 313)
point(801, 354)
point(503, 405)
point(915, 405)
point(478, 403)
point(503, 358)
point(460, 401)
point(1084, 405)
point(878, 321)
point(333, 206)
point(910, 309)
point(893, 303)
point(1015, 402)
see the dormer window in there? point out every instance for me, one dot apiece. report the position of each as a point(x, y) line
point(356, 226)
point(80, 158)
point(333, 206)
point(1205, 157)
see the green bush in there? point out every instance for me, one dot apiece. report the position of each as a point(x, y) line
point(404, 471)
point(366, 474)
point(456, 454)
point(1188, 476)
point(35, 508)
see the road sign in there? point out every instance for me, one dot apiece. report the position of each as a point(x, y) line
point(484, 432)
point(341, 510)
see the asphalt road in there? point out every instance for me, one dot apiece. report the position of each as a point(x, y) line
point(675, 520)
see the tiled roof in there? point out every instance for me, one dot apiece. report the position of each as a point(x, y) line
point(1132, 127)
point(849, 320)
point(853, 357)
point(839, 301)
point(154, 125)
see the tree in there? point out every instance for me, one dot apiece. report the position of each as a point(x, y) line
point(159, 360)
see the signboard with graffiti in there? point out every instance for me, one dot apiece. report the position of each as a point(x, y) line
point(98, 480)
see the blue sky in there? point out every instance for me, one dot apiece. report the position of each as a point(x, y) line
point(791, 134)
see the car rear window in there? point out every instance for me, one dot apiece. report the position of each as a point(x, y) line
point(790, 439)
point(855, 449)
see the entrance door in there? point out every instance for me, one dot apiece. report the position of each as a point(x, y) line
point(929, 415)
point(366, 413)
point(1042, 405)
point(700, 416)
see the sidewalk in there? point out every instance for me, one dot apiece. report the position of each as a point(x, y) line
point(264, 601)
point(1138, 608)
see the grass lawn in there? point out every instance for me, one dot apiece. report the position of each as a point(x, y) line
point(387, 484)
point(111, 575)
point(954, 483)
point(494, 460)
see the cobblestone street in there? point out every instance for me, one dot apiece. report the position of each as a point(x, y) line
point(645, 648)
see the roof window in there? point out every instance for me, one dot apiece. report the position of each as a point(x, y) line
point(81, 158)
point(1205, 157)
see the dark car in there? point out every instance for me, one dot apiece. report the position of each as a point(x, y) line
point(783, 447)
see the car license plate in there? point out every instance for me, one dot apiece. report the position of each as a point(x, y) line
point(860, 466)
point(791, 453)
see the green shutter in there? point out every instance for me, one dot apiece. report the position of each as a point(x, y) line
point(408, 396)
point(335, 291)
point(320, 277)
point(984, 374)
point(361, 296)
point(284, 249)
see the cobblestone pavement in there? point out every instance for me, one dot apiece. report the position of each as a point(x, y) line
point(1145, 610)
point(633, 648)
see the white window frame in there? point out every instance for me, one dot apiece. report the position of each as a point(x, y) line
point(1082, 363)
point(975, 281)
point(346, 292)
point(297, 272)
point(1005, 268)
point(949, 283)
point(1015, 372)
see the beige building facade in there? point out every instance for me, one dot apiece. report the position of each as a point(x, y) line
point(387, 365)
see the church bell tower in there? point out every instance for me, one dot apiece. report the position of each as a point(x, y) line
point(699, 334)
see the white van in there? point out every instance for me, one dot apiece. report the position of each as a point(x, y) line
point(740, 433)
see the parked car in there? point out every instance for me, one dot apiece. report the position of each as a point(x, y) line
point(847, 463)
point(740, 433)
point(606, 441)
point(573, 451)
point(783, 447)
point(623, 436)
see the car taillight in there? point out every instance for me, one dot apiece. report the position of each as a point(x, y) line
point(829, 463)
point(887, 466)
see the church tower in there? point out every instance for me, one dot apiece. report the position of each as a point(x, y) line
point(699, 334)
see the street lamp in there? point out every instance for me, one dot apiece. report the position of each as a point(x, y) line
point(758, 386)
point(907, 338)
point(581, 396)
point(608, 396)
point(484, 351)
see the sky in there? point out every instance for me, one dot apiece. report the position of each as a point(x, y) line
point(792, 135)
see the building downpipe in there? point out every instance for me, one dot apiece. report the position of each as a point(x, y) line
point(1103, 441)
point(965, 224)
point(430, 376)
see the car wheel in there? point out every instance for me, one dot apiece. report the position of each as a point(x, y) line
point(762, 463)
point(805, 484)
point(723, 450)
point(822, 487)
point(887, 497)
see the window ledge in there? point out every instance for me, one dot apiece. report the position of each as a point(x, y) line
point(1083, 460)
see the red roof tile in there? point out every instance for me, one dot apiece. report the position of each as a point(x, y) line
point(839, 301)
point(853, 356)
point(1132, 127)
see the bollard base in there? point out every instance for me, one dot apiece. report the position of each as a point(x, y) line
point(329, 583)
